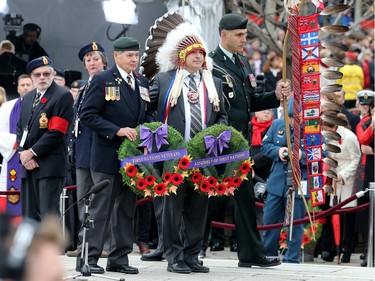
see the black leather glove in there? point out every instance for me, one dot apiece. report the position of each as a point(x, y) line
point(261, 83)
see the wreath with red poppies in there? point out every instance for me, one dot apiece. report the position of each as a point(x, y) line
point(143, 178)
point(222, 179)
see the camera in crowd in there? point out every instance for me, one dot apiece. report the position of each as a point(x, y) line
point(260, 190)
point(12, 26)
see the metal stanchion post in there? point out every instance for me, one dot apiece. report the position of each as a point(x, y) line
point(63, 196)
point(370, 251)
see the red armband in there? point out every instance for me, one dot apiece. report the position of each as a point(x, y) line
point(59, 124)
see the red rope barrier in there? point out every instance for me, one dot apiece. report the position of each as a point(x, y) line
point(318, 215)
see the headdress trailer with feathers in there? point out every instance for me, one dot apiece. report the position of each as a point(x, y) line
point(171, 40)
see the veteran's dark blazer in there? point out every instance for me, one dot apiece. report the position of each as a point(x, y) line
point(105, 117)
point(47, 130)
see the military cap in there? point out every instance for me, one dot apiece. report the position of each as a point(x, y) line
point(59, 72)
point(38, 62)
point(233, 21)
point(126, 44)
point(90, 47)
point(78, 84)
point(365, 96)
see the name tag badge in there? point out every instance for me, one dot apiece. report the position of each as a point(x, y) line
point(24, 136)
point(303, 187)
point(76, 127)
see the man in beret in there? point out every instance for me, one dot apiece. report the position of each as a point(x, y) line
point(94, 61)
point(76, 86)
point(115, 104)
point(239, 88)
point(42, 140)
point(59, 77)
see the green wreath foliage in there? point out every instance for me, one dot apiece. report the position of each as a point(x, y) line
point(147, 171)
point(197, 150)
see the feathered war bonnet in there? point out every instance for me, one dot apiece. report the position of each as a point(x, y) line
point(179, 43)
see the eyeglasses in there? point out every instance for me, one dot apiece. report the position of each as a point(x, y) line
point(44, 74)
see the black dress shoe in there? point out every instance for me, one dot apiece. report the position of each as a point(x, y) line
point(196, 267)
point(123, 269)
point(345, 258)
point(179, 267)
point(155, 256)
point(216, 247)
point(233, 247)
point(262, 262)
point(327, 256)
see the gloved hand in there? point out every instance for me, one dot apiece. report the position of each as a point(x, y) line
point(261, 82)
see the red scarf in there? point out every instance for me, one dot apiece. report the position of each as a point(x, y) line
point(258, 129)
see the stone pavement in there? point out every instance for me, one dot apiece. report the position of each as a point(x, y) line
point(223, 266)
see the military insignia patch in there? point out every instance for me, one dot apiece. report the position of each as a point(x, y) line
point(12, 175)
point(14, 199)
point(43, 121)
point(280, 133)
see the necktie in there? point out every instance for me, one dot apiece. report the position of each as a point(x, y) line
point(130, 83)
point(236, 61)
point(195, 110)
point(37, 99)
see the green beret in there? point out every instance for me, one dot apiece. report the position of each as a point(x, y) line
point(126, 44)
point(233, 21)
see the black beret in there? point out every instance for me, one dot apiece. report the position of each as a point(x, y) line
point(60, 73)
point(78, 84)
point(365, 96)
point(233, 21)
point(126, 44)
point(90, 47)
point(38, 62)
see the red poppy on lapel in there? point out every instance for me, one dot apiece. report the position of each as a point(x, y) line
point(43, 100)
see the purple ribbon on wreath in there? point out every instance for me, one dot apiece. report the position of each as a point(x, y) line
point(149, 136)
point(215, 144)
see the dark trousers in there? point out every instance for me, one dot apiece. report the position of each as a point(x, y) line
point(40, 197)
point(216, 212)
point(184, 218)
point(250, 246)
point(112, 208)
point(158, 210)
point(144, 222)
point(84, 184)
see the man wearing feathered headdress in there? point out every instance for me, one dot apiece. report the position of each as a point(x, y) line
point(186, 96)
